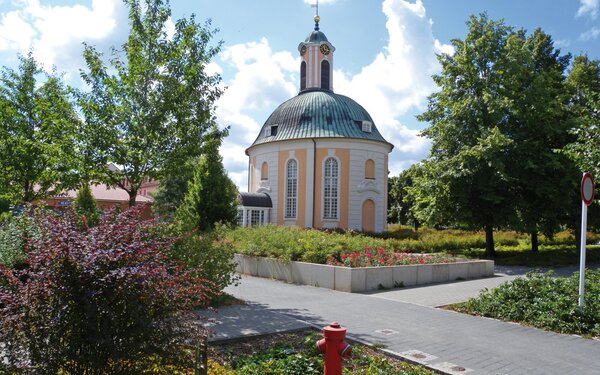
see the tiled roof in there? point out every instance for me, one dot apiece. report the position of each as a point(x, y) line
point(255, 200)
point(318, 114)
point(103, 192)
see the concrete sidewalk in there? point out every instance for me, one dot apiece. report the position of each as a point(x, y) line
point(239, 321)
point(404, 322)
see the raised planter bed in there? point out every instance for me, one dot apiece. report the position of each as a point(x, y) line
point(348, 279)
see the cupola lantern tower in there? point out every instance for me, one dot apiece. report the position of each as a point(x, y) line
point(317, 61)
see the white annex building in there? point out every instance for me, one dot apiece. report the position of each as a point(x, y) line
point(319, 160)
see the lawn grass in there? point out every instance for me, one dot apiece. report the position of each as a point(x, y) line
point(542, 301)
point(316, 246)
point(295, 353)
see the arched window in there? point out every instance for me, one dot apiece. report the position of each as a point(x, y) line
point(325, 75)
point(370, 169)
point(302, 76)
point(291, 188)
point(264, 171)
point(330, 189)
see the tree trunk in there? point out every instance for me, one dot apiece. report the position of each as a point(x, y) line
point(490, 253)
point(132, 196)
point(534, 242)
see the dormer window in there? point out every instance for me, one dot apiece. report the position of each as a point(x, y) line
point(271, 131)
point(367, 126)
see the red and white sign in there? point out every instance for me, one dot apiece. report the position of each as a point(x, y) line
point(587, 196)
point(587, 188)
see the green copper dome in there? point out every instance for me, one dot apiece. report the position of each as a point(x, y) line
point(316, 37)
point(318, 114)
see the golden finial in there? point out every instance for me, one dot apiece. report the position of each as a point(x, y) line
point(317, 18)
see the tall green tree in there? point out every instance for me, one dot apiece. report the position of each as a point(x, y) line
point(151, 107)
point(399, 201)
point(539, 122)
point(211, 196)
point(584, 82)
point(37, 133)
point(465, 179)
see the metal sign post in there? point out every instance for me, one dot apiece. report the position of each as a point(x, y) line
point(587, 196)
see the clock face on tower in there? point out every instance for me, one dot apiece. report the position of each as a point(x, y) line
point(324, 49)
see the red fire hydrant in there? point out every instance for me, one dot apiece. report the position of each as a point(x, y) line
point(335, 348)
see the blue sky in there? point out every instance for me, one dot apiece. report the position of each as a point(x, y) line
point(384, 58)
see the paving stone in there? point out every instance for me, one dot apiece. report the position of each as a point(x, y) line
point(485, 346)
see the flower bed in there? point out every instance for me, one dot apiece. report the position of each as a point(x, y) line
point(369, 258)
point(361, 279)
point(296, 353)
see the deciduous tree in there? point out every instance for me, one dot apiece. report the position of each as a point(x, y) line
point(584, 81)
point(149, 109)
point(539, 121)
point(465, 178)
point(37, 131)
point(399, 201)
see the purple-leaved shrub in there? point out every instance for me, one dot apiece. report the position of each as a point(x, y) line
point(101, 300)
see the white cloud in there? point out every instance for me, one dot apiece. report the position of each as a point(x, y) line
point(588, 7)
point(15, 32)
point(591, 34)
point(399, 79)
point(263, 80)
point(562, 43)
point(55, 33)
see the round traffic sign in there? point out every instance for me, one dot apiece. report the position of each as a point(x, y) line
point(587, 188)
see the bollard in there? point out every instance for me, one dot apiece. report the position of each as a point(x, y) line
point(335, 347)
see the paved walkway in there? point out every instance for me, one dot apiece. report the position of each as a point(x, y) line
point(404, 321)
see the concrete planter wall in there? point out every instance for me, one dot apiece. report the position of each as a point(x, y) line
point(347, 279)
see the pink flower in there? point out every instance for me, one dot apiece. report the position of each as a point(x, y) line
point(344, 256)
point(368, 255)
point(380, 250)
point(421, 260)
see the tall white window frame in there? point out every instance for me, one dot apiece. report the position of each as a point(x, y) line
point(331, 189)
point(291, 189)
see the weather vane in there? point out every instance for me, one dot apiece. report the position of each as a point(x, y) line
point(317, 18)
